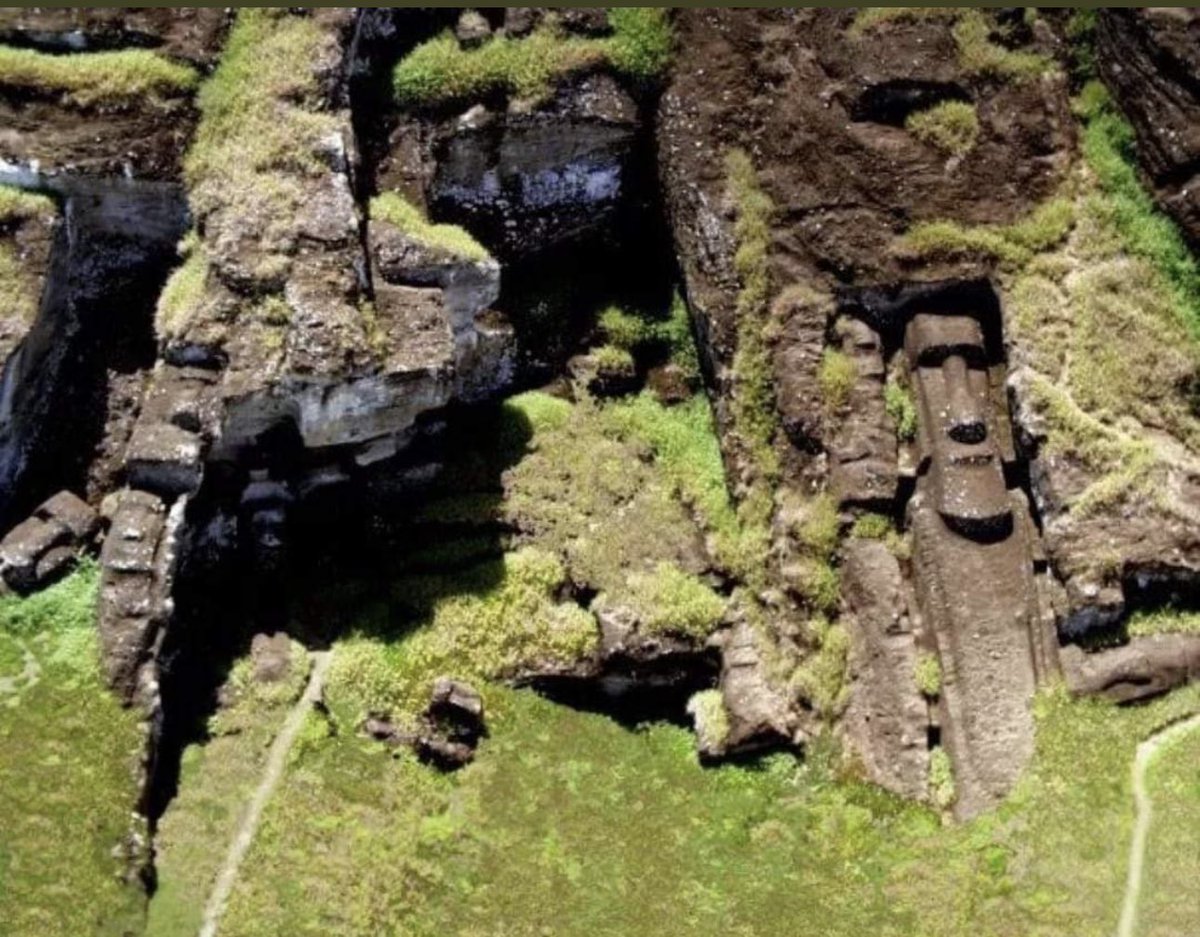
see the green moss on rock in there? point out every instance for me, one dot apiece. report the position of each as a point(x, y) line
point(672, 601)
point(93, 78)
point(951, 126)
point(397, 210)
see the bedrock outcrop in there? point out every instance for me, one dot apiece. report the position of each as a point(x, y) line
point(1150, 60)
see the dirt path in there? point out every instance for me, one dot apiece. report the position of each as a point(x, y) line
point(276, 761)
point(1141, 829)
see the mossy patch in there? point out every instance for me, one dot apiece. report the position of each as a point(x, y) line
point(183, 293)
point(821, 678)
point(928, 674)
point(901, 406)
point(941, 779)
point(710, 718)
point(19, 293)
point(396, 210)
point(93, 78)
point(17, 205)
point(440, 71)
point(837, 376)
point(951, 126)
point(1163, 621)
point(1012, 245)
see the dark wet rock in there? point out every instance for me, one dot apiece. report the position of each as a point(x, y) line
point(1150, 60)
point(527, 180)
point(46, 545)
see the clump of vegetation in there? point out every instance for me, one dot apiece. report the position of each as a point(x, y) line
point(613, 361)
point(836, 377)
point(951, 126)
point(710, 719)
point(396, 210)
point(440, 71)
point(90, 78)
point(941, 779)
point(928, 674)
point(872, 527)
point(821, 678)
point(17, 205)
point(670, 600)
point(263, 123)
point(815, 529)
point(183, 292)
point(1012, 245)
point(67, 803)
point(1163, 621)
point(479, 624)
point(19, 297)
point(640, 334)
point(901, 407)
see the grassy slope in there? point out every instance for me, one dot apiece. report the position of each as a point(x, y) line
point(216, 781)
point(67, 758)
point(628, 834)
point(1173, 855)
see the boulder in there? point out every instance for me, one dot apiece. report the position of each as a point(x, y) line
point(46, 544)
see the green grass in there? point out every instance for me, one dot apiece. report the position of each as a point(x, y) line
point(644, 335)
point(68, 754)
point(217, 779)
point(17, 205)
point(396, 210)
point(901, 407)
point(264, 125)
point(753, 403)
point(1172, 859)
point(710, 719)
point(837, 376)
point(439, 71)
point(821, 678)
point(477, 624)
point(1012, 245)
point(672, 601)
point(1163, 621)
point(631, 836)
point(19, 294)
point(941, 779)
point(96, 78)
point(613, 361)
point(183, 292)
point(951, 126)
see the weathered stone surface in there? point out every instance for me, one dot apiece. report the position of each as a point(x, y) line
point(1145, 667)
point(46, 544)
point(759, 713)
point(472, 29)
point(1150, 60)
point(270, 657)
point(887, 719)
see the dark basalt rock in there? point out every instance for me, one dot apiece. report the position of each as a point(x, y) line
point(43, 547)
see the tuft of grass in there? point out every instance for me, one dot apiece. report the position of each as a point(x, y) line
point(264, 124)
point(395, 209)
point(901, 407)
point(821, 678)
point(95, 78)
point(183, 292)
point(1012, 246)
point(438, 71)
point(672, 601)
point(479, 624)
point(709, 718)
point(951, 126)
point(612, 360)
point(1163, 621)
point(69, 755)
point(752, 407)
point(941, 779)
point(928, 674)
point(640, 334)
point(18, 205)
point(872, 527)
point(837, 376)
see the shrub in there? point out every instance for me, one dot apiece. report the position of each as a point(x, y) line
point(96, 77)
point(397, 210)
point(951, 126)
point(673, 601)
